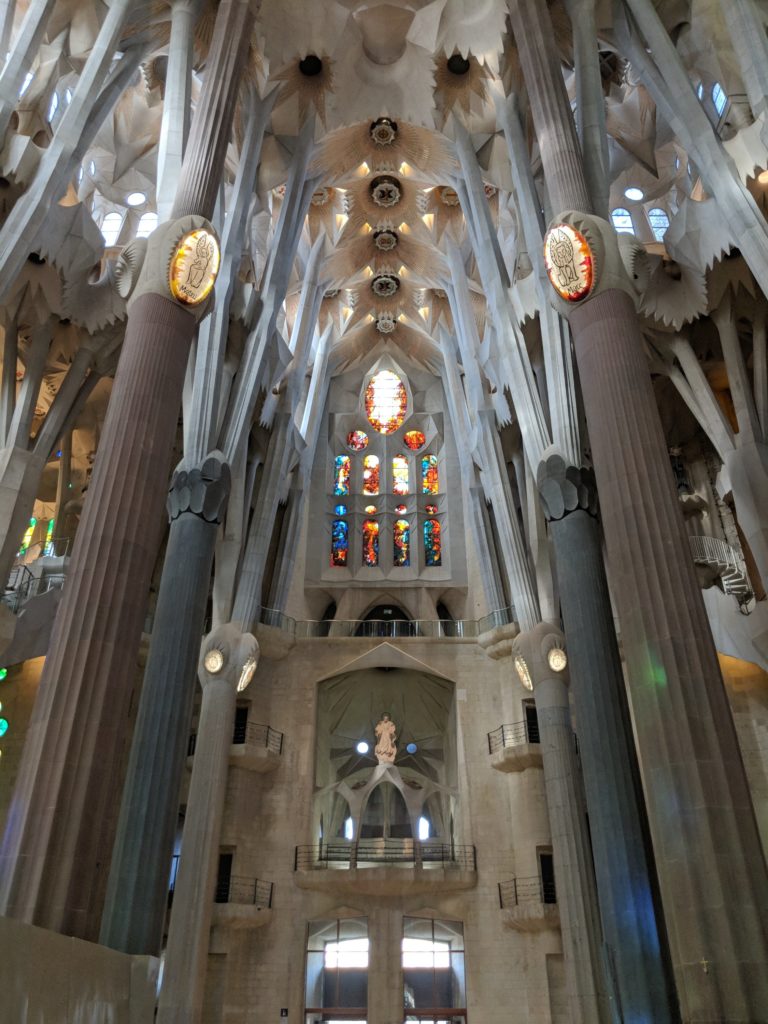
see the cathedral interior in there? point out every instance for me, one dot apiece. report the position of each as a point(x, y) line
point(272, 748)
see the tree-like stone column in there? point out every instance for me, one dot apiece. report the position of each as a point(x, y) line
point(227, 662)
point(138, 880)
point(61, 826)
point(617, 822)
point(576, 893)
point(710, 864)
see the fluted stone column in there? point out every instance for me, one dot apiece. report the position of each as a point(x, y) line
point(618, 829)
point(59, 836)
point(226, 658)
point(711, 869)
point(576, 892)
point(138, 880)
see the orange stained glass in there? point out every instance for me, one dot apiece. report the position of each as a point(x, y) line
point(371, 474)
point(432, 545)
point(414, 439)
point(370, 542)
point(386, 402)
point(357, 440)
point(430, 481)
point(402, 542)
point(400, 510)
point(341, 475)
point(400, 474)
point(371, 510)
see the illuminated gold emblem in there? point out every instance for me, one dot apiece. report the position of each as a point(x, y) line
point(194, 267)
point(569, 262)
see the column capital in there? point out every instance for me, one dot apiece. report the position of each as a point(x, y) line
point(201, 491)
point(564, 488)
point(539, 656)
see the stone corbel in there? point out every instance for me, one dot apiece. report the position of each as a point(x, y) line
point(565, 488)
point(229, 655)
point(201, 491)
point(539, 655)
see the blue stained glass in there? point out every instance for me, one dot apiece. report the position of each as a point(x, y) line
point(340, 510)
point(339, 543)
point(432, 543)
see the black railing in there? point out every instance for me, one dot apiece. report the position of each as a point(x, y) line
point(447, 629)
point(252, 892)
point(519, 891)
point(513, 735)
point(28, 586)
point(248, 732)
point(385, 851)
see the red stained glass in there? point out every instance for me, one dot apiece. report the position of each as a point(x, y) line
point(339, 543)
point(414, 439)
point(400, 510)
point(386, 402)
point(357, 440)
point(370, 542)
point(371, 474)
point(402, 542)
point(431, 510)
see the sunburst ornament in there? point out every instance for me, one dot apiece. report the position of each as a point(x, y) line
point(570, 262)
point(386, 191)
point(383, 132)
point(310, 80)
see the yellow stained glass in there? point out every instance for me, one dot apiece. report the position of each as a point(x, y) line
point(386, 402)
point(400, 474)
point(371, 473)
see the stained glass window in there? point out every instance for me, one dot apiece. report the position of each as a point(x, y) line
point(3, 726)
point(370, 510)
point(622, 221)
point(659, 223)
point(400, 510)
point(341, 485)
point(339, 542)
point(432, 545)
point(357, 440)
point(27, 538)
point(386, 402)
point(370, 542)
point(431, 510)
point(371, 474)
point(400, 474)
point(414, 439)
point(402, 542)
point(48, 549)
point(719, 97)
point(430, 483)
point(341, 510)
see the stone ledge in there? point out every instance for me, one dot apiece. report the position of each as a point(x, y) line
point(517, 758)
point(240, 916)
point(400, 880)
point(497, 643)
point(253, 757)
point(532, 917)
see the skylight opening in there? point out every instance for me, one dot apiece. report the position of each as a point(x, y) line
point(634, 193)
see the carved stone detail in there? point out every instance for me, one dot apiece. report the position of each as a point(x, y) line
point(201, 491)
point(564, 488)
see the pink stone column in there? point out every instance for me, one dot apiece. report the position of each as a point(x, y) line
point(55, 853)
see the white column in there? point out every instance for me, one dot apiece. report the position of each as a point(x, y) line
point(174, 127)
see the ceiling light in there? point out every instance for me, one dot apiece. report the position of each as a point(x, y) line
point(523, 673)
point(362, 747)
point(214, 661)
point(763, 177)
point(634, 193)
point(136, 199)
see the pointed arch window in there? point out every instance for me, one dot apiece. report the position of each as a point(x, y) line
point(371, 474)
point(341, 475)
point(147, 225)
point(432, 543)
point(400, 474)
point(339, 542)
point(401, 538)
point(386, 402)
point(370, 542)
point(622, 221)
point(659, 222)
point(430, 480)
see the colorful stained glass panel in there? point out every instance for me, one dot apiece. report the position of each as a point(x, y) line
point(402, 542)
point(400, 474)
point(414, 439)
point(370, 542)
point(371, 473)
point(430, 481)
point(339, 542)
point(432, 546)
point(400, 510)
point(341, 510)
point(431, 510)
point(341, 481)
point(370, 510)
point(357, 440)
point(386, 402)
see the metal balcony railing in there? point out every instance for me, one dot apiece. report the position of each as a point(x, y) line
point(29, 586)
point(513, 735)
point(384, 851)
point(519, 891)
point(249, 732)
point(717, 554)
point(252, 892)
point(444, 629)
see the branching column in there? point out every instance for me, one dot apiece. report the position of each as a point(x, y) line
point(711, 868)
point(138, 880)
point(61, 826)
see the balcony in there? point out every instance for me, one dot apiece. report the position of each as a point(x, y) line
point(529, 905)
point(385, 867)
point(385, 629)
point(513, 748)
point(721, 564)
point(242, 903)
point(255, 747)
